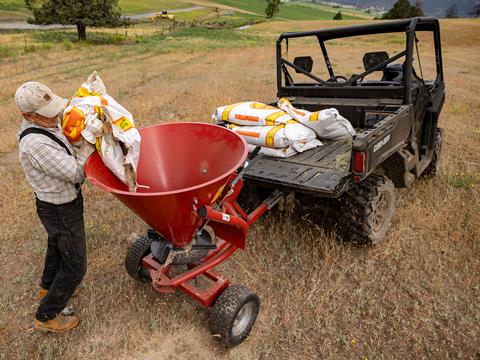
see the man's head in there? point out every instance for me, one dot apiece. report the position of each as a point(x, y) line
point(38, 104)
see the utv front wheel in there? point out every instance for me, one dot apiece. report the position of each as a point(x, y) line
point(366, 210)
point(433, 168)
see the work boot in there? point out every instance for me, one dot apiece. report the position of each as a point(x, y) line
point(43, 292)
point(57, 325)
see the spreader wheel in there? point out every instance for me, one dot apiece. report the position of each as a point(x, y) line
point(137, 251)
point(233, 314)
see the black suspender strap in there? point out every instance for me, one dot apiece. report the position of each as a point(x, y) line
point(33, 130)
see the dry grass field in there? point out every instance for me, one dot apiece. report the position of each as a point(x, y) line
point(415, 296)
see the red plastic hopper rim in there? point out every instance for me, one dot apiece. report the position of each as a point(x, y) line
point(173, 192)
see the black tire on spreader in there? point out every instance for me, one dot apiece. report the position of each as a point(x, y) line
point(223, 314)
point(366, 210)
point(133, 261)
point(434, 167)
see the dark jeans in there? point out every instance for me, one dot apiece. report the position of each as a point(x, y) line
point(66, 259)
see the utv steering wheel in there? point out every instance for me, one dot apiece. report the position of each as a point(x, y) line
point(336, 77)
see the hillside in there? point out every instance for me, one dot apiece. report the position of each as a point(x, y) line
point(430, 7)
point(293, 10)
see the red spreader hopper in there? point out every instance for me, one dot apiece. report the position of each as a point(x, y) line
point(190, 176)
point(184, 166)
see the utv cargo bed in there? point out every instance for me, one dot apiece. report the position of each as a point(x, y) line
point(321, 171)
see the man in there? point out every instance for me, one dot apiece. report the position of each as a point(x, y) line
point(55, 174)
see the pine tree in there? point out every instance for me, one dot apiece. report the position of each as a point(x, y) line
point(402, 9)
point(272, 8)
point(338, 16)
point(81, 13)
point(451, 12)
point(419, 8)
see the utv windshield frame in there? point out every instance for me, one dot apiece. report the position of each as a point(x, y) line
point(350, 89)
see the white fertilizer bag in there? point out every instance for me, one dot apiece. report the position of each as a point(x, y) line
point(251, 113)
point(119, 146)
point(301, 137)
point(280, 153)
point(269, 136)
point(328, 124)
point(292, 134)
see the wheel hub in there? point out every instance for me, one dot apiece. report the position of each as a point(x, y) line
point(243, 318)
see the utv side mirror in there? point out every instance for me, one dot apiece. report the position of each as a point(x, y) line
point(372, 59)
point(304, 62)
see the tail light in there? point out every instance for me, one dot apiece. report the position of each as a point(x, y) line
point(359, 162)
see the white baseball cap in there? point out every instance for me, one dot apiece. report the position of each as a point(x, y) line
point(34, 97)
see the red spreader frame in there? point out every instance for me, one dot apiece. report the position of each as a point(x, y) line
point(230, 224)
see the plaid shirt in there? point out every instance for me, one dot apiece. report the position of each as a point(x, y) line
point(51, 172)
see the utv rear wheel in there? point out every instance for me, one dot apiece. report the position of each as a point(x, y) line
point(233, 314)
point(366, 210)
point(433, 168)
point(133, 261)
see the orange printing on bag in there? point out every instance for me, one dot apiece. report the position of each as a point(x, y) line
point(247, 117)
point(248, 133)
point(73, 124)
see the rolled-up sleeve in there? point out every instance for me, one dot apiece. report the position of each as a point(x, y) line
point(56, 163)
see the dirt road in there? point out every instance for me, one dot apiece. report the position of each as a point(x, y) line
point(23, 25)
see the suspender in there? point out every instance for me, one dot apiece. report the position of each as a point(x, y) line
point(48, 134)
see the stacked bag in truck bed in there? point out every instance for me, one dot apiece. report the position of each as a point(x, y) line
point(282, 132)
point(266, 126)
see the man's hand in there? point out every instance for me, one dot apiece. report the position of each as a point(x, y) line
point(86, 149)
point(96, 128)
point(96, 83)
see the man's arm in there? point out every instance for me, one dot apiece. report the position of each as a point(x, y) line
point(56, 162)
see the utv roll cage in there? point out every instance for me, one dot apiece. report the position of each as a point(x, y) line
point(353, 87)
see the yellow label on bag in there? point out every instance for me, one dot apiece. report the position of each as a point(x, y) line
point(98, 145)
point(227, 111)
point(123, 123)
point(270, 139)
point(270, 119)
point(260, 106)
point(314, 116)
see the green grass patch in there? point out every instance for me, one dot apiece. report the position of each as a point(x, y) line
point(13, 9)
point(295, 10)
point(228, 21)
point(466, 181)
point(193, 38)
point(7, 7)
point(12, 5)
point(7, 52)
point(70, 36)
point(135, 7)
point(194, 15)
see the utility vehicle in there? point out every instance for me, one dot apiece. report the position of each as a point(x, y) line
point(392, 106)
